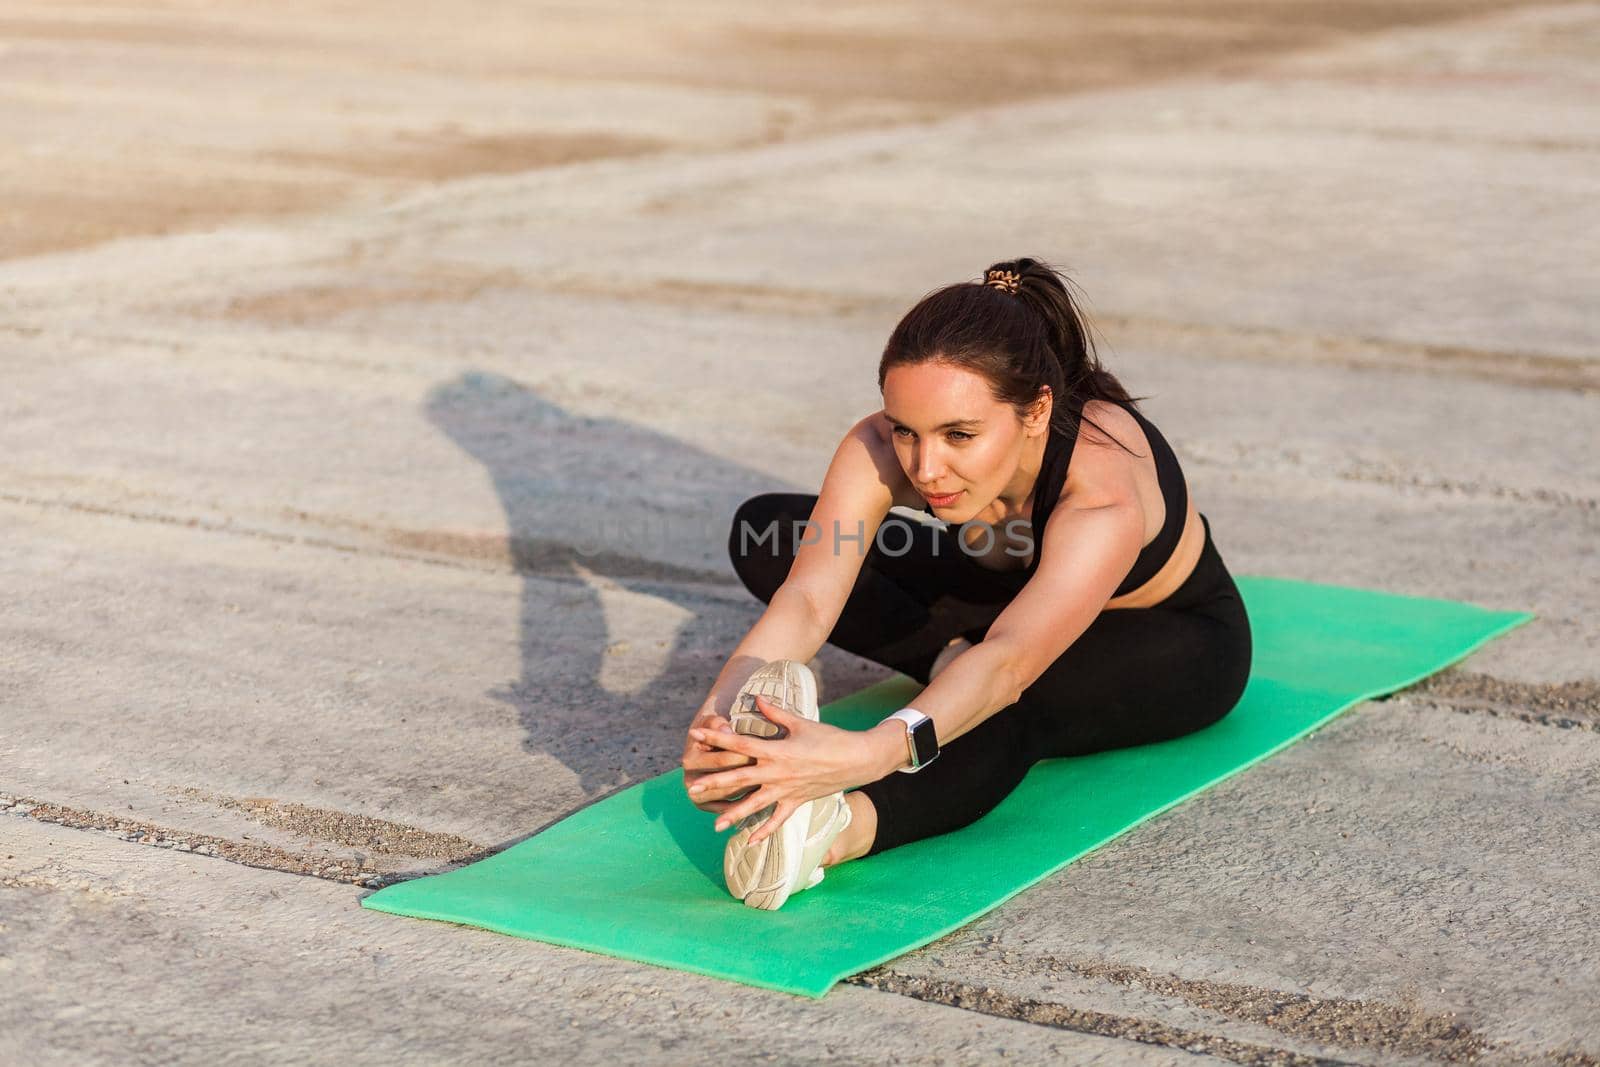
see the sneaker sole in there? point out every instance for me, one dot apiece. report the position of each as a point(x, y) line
point(760, 875)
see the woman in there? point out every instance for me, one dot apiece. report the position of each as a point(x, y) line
point(1072, 601)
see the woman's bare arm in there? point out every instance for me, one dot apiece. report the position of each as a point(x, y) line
point(855, 497)
point(788, 629)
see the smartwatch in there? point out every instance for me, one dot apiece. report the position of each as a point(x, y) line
point(921, 742)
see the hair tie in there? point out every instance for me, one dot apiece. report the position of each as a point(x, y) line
point(1004, 279)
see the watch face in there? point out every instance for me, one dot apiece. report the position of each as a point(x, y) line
point(922, 738)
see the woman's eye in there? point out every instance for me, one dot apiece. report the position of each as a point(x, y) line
point(954, 435)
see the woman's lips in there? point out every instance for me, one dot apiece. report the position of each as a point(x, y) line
point(943, 501)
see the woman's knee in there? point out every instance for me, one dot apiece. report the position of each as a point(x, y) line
point(1230, 661)
point(1238, 676)
point(1216, 696)
point(761, 540)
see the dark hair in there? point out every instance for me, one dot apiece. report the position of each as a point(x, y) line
point(1018, 341)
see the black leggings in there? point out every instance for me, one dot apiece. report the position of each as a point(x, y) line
point(1136, 675)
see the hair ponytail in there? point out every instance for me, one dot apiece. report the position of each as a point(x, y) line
point(1021, 330)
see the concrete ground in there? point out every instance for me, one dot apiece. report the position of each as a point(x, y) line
point(379, 380)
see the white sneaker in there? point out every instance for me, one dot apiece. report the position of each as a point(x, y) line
point(765, 874)
point(829, 816)
point(954, 648)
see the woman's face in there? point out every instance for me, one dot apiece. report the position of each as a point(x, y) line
point(953, 437)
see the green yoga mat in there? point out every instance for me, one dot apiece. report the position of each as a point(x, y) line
point(639, 874)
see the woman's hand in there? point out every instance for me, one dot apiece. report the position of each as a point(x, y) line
point(814, 760)
point(700, 759)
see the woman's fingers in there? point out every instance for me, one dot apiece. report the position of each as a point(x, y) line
point(721, 783)
point(713, 760)
point(712, 722)
point(714, 785)
point(751, 804)
point(712, 800)
point(728, 741)
point(781, 715)
point(780, 813)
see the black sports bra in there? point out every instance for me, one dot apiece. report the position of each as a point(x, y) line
point(1053, 475)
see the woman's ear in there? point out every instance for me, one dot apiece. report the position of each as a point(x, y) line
point(1039, 412)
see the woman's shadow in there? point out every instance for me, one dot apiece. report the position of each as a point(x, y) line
point(600, 512)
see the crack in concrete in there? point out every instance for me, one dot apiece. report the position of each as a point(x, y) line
point(525, 556)
point(1373, 474)
point(1532, 718)
point(213, 526)
point(739, 297)
point(1238, 457)
point(1404, 1029)
point(83, 887)
point(1270, 344)
point(518, 553)
point(1573, 705)
point(248, 854)
point(989, 1001)
point(345, 828)
point(439, 282)
point(174, 346)
point(1256, 126)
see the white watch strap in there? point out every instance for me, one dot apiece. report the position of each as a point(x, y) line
point(911, 717)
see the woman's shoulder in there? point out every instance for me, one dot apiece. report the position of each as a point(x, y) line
point(875, 433)
point(1101, 468)
point(1111, 433)
point(1106, 417)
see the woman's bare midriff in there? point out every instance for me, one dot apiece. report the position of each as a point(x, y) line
point(1173, 573)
